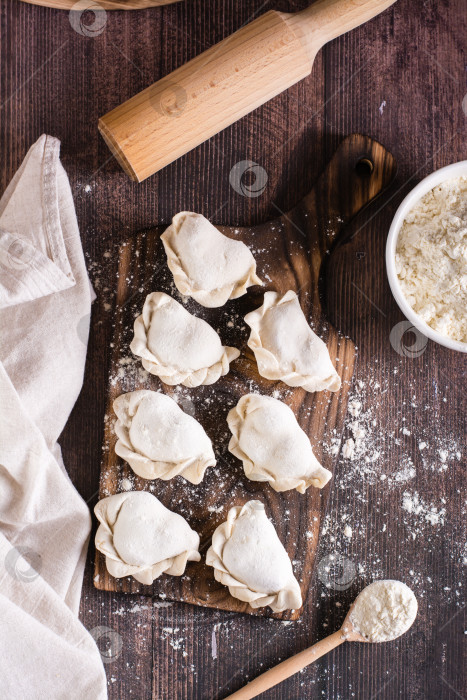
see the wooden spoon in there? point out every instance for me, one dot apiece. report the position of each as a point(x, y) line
point(347, 633)
point(296, 663)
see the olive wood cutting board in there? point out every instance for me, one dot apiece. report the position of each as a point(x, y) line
point(290, 252)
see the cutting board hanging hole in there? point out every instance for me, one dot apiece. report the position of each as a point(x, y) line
point(364, 167)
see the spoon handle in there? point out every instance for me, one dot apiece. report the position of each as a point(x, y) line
point(288, 667)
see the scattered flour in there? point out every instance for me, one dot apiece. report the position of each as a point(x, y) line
point(383, 468)
point(413, 504)
point(126, 484)
point(98, 271)
point(134, 608)
point(369, 448)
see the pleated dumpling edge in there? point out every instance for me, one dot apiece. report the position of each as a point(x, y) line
point(207, 265)
point(178, 347)
point(129, 544)
point(158, 439)
point(249, 558)
point(273, 447)
point(285, 346)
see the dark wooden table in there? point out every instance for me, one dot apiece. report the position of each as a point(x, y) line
point(400, 79)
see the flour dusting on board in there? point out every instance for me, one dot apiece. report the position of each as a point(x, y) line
point(205, 506)
point(381, 467)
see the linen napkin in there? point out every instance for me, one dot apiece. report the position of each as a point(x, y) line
point(45, 304)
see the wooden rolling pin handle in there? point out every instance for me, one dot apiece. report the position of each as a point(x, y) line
point(288, 667)
point(325, 20)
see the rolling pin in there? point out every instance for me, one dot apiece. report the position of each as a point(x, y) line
point(221, 85)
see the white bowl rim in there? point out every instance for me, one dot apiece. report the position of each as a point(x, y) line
point(424, 186)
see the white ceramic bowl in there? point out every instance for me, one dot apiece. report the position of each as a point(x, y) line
point(436, 178)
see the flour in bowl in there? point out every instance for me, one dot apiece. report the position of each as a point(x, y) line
point(431, 258)
point(383, 611)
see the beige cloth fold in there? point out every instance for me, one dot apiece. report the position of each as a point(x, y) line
point(45, 304)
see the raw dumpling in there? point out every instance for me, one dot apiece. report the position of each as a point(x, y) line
point(286, 348)
point(249, 558)
point(178, 347)
point(272, 446)
point(159, 440)
point(140, 537)
point(207, 265)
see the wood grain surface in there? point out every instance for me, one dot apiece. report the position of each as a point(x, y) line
point(94, 6)
point(289, 252)
point(400, 79)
